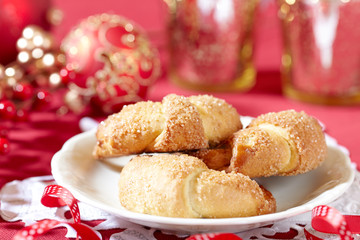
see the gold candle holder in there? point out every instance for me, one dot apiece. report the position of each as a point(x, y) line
point(211, 44)
point(321, 58)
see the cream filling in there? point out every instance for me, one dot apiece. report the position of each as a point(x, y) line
point(189, 189)
point(294, 158)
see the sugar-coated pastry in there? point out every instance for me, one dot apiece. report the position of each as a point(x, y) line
point(283, 143)
point(176, 124)
point(178, 185)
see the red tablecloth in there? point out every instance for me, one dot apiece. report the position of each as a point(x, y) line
point(33, 143)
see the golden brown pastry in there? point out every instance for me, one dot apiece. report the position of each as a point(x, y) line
point(215, 158)
point(175, 185)
point(177, 123)
point(283, 143)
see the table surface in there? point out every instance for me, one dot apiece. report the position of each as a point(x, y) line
point(33, 143)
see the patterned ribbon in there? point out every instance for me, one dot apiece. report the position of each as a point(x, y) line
point(57, 196)
point(325, 219)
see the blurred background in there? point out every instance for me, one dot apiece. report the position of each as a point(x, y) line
point(92, 57)
point(153, 16)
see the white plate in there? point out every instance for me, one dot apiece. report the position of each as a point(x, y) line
point(95, 182)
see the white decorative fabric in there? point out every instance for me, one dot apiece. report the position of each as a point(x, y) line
point(20, 200)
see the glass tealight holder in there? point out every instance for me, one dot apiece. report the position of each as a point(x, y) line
point(211, 44)
point(321, 59)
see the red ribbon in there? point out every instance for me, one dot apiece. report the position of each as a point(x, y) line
point(327, 219)
point(57, 196)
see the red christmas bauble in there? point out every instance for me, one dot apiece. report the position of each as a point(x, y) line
point(4, 146)
point(15, 15)
point(7, 110)
point(110, 62)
